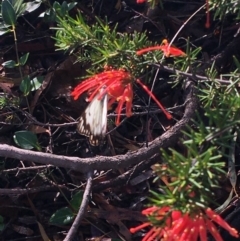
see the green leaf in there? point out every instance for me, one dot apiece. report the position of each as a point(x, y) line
point(62, 216)
point(76, 200)
point(18, 6)
point(71, 5)
point(3, 31)
point(25, 85)
point(49, 16)
point(9, 64)
point(4, 28)
point(64, 8)
point(57, 7)
point(26, 140)
point(8, 13)
point(32, 6)
point(2, 24)
point(24, 59)
point(236, 61)
point(36, 83)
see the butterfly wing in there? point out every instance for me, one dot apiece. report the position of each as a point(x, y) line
point(93, 121)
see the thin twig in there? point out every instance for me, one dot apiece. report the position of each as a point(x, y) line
point(86, 196)
point(184, 24)
point(22, 191)
point(194, 77)
point(25, 169)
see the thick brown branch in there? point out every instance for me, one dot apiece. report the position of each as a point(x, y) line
point(85, 165)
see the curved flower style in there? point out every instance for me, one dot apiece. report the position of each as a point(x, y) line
point(167, 50)
point(184, 227)
point(117, 84)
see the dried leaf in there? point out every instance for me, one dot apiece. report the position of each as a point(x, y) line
point(22, 230)
point(43, 232)
point(38, 129)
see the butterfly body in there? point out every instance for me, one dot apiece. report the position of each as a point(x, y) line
point(93, 121)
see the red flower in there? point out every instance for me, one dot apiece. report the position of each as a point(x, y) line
point(207, 24)
point(184, 227)
point(167, 50)
point(117, 84)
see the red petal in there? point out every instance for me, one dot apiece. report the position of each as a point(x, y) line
point(118, 110)
point(213, 230)
point(168, 51)
point(128, 99)
point(83, 87)
point(180, 225)
point(202, 229)
point(145, 50)
point(175, 52)
point(221, 222)
point(116, 89)
point(150, 210)
point(194, 231)
point(207, 24)
point(176, 215)
point(184, 235)
point(168, 115)
point(90, 84)
point(144, 225)
point(153, 233)
point(97, 89)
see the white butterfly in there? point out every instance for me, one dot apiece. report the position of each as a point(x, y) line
point(93, 121)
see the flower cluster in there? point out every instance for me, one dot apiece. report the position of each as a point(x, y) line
point(183, 227)
point(117, 84)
